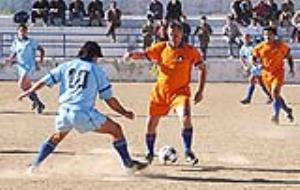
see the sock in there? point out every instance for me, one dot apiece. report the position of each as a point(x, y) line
point(187, 134)
point(34, 98)
point(121, 147)
point(283, 105)
point(250, 91)
point(276, 106)
point(45, 150)
point(150, 141)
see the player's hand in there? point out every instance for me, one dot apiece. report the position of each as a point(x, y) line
point(198, 97)
point(128, 114)
point(22, 95)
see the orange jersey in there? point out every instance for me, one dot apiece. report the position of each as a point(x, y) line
point(272, 56)
point(175, 65)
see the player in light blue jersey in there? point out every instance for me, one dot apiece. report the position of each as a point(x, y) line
point(255, 71)
point(81, 80)
point(23, 53)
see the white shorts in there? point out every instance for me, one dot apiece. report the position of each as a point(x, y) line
point(82, 121)
point(255, 71)
point(22, 71)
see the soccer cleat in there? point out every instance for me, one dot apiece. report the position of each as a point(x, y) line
point(269, 101)
point(149, 157)
point(135, 166)
point(191, 158)
point(32, 170)
point(246, 101)
point(40, 108)
point(290, 115)
point(34, 105)
point(275, 119)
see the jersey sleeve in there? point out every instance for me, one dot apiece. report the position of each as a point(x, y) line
point(54, 76)
point(153, 53)
point(104, 86)
point(34, 44)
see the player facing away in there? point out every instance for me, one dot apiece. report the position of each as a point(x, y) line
point(271, 54)
point(255, 71)
point(81, 80)
point(175, 60)
point(23, 52)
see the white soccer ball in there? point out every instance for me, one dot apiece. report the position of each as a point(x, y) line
point(167, 154)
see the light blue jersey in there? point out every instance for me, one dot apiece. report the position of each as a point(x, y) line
point(80, 82)
point(25, 51)
point(246, 55)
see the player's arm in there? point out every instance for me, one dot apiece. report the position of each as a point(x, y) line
point(37, 86)
point(135, 55)
point(290, 60)
point(42, 54)
point(202, 80)
point(115, 105)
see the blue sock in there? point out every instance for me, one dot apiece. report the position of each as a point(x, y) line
point(187, 134)
point(283, 105)
point(121, 147)
point(250, 91)
point(150, 141)
point(34, 98)
point(45, 150)
point(277, 106)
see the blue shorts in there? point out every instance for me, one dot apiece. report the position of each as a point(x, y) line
point(255, 71)
point(82, 121)
point(22, 71)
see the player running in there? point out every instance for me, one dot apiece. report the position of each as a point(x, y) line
point(255, 71)
point(80, 82)
point(175, 60)
point(271, 54)
point(23, 52)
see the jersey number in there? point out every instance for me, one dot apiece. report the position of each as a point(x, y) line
point(78, 80)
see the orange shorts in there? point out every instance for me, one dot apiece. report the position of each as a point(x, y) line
point(273, 81)
point(162, 101)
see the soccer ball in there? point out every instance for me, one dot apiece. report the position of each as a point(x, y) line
point(167, 154)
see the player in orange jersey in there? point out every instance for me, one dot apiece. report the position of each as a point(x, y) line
point(175, 60)
point(271, 54)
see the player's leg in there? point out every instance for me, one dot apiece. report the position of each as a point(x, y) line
point(120, 144)
point(250, 91)
point(151, 124)
point(265, 90)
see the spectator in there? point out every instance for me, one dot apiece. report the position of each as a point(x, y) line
point(233, 34)
point(203, 31)
point(296, 19)
point(263, 12)
point(246, 7)
point(288, 6)
point(161, 31)
point(255, 30)
point(148, 31)
point(236, 10)
point(274, 10)
point(186, 29)
point(286, 30)
point(113, 17)
point(77, 12)
point(57, 12)
point(95, 12)
point(40, 10)
point(156, 9)
point(174, 10)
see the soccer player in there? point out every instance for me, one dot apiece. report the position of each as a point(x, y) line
point(271, 54)
point(175, 60)
point(255, 71)
point(23, 52)
point(80, 82)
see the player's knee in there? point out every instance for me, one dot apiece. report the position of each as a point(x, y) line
point(116, 131)
point(186, 121)
point(57, 138)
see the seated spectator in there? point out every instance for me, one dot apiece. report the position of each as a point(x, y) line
point(286, 30)
point(255, 30)
point(233, 34)
point(262, 11)
point(296, 19)
point(148, 32)
point(246, 8)
point(40, 10)
point(236, 10)
point(274, 10)
point(174, 10)
point(113, 17)
point(57, 12)
point(76, 12)
point(203, 31)
point(95, 12)
point(186, 29)
point(161, 31)
point(288, 6)
point(21, 17)
point(156, 9)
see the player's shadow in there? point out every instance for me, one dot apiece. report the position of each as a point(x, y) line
point(9, 112)
point(18, 151)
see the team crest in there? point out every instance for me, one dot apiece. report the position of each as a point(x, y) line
point(179, 59)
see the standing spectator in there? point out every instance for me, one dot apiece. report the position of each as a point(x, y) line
point(113, 17)
point(233, 34)
point(77, 12)
point(255, 30)
point(161, 31)
point(174, 10)
point(236, 10)
point(156, 9)
point(288, 6)
point(246, 7)
point(286, 30)
point(186, 29)
point(203, 31)
point(263, 12)
point(274, 10)
point(40, 9)
point(148, 32)
point(57, 12)
point(95, 12)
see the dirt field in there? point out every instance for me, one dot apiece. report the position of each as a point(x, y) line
point(238, 146)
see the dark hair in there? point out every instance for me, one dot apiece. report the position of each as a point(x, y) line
point(203, 17)
point(89, 50)
point(175, 24)
point(271, 29)
point(22, 25)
